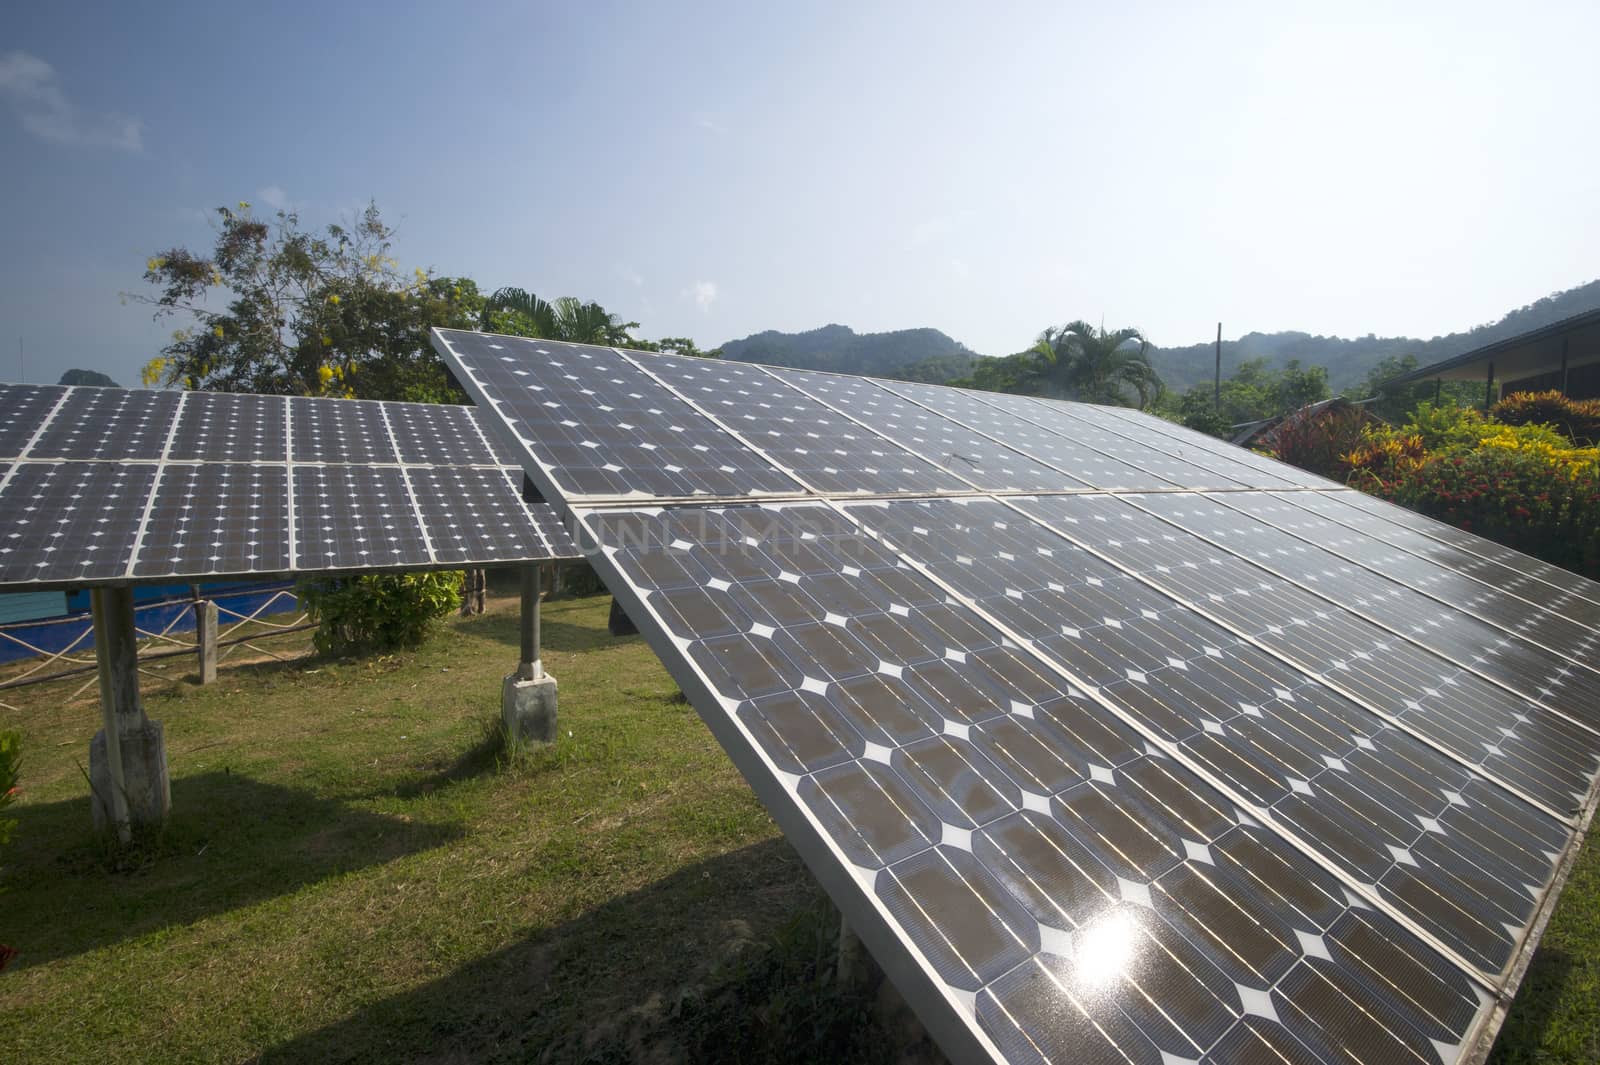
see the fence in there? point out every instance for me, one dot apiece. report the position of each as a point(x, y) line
point(64, 647)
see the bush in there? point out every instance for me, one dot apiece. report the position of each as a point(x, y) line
point(1525, 486)
point(1576, 419)
point(379, 611)
point(1318, 441)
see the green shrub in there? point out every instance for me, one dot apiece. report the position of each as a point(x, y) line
point(1318, 441)
point(379, 611)
point(1527, 498)
point(1576, 419)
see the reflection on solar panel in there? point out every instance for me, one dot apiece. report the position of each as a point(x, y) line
point(1112, 754)
point(103, 484)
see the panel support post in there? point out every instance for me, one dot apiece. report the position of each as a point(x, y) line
point(855, 964)
point(528, 696)
point(128, 756)
point(1564, 364)
point(1488, 390)
point(205, 639)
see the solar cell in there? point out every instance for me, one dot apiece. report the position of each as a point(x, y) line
point(822, 448)
point(71, 522)
point(337, 430)
point(230, 427)
point(1543, 757)
point(1461, 857)
point(1060, 887)
point(1080, 423)
point(1557, 672)
point(352, 517)
point(476, 516)
point(1090, 777)
point(107, 424)
point(441, 434)
point(25, 409)
point(1558, 591)
point(1174, 439)
point(607, 429)
point(196, 484)
point(976, 458)
point(1008, 422)
point(222, 517)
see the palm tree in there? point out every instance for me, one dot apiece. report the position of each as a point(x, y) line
point(1088, 364)
point(516, 311)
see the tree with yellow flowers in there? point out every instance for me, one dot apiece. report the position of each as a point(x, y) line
point(277, 308)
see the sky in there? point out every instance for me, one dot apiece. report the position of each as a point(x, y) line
point(716, 170)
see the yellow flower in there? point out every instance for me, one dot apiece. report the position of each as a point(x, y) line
point(244, 205)
point(154, 264)
point(334, 299)
point(217, 332)
point(324, 374)
point(327, 341)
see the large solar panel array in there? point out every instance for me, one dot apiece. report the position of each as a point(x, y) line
point(109, 484)
point(1114, 742)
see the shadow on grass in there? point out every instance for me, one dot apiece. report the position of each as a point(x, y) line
point(727, 960)
point(1540, 996)
point(555, 634)
point(231, 842)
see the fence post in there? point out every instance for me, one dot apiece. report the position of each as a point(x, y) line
point(205, 639)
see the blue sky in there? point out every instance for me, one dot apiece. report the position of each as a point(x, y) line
point(716, 170)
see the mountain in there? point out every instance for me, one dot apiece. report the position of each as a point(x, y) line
point(908, 354)
point(86, 377)
point(1348, 361)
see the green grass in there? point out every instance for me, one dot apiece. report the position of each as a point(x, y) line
point(355, 870)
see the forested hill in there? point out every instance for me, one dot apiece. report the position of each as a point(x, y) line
point(1349, 360)
point(911, 354)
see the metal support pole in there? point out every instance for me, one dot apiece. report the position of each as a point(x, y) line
point(855, 964)
point(1488, 390)
point(1564, 365)
point(1217, 398)
point(100, 607)
point(530, 667)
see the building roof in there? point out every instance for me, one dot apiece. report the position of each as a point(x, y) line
point(1524, 355)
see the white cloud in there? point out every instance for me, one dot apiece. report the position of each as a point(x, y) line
point(274, 197)
point(706, 122)
point(630, 275)
point(704, 293)
point(33, 90)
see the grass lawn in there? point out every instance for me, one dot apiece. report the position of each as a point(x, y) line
point(355, 872)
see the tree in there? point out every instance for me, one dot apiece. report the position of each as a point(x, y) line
point(517, 312)
point(1095, 366)
point(87, 377)
point(304, 314)
point(1396, 402)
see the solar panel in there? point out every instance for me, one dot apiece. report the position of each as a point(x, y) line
point(609, 430)
point(1097, 775)
point(106, 484)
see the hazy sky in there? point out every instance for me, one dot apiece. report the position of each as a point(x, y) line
point(717, 170)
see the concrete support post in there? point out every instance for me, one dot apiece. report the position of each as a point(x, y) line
point(128, 756)
point(528, 696)
point(205, 639)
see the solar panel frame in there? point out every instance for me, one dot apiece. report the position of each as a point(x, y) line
point(205, 434)
point(665, 646)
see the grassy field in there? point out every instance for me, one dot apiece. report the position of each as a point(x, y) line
point(355, 871)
